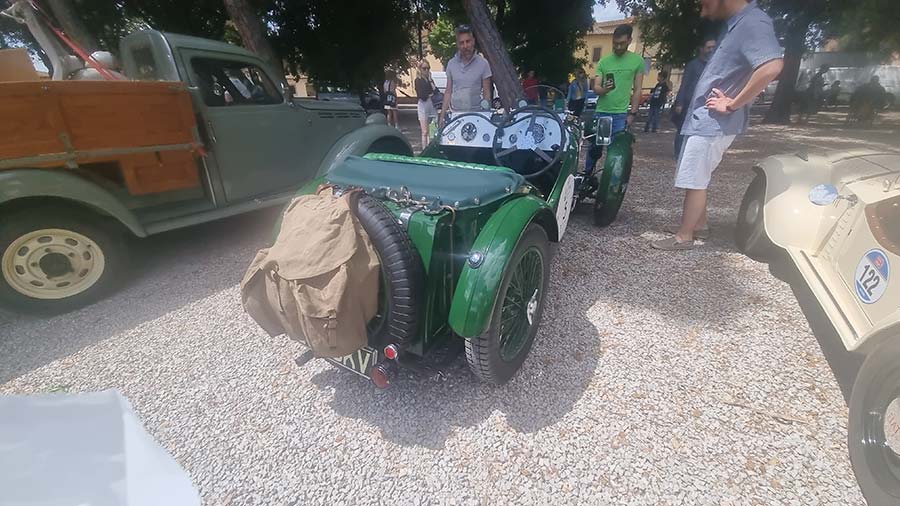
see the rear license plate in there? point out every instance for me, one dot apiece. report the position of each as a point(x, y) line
point(360, 361)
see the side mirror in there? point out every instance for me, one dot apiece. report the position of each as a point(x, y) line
point(603, 129)
point(823, 194)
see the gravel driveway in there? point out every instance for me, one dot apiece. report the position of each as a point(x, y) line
point(657, 378)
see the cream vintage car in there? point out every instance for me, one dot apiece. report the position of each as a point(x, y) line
point(837, 218)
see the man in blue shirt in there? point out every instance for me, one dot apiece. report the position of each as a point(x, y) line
point(747, 59)
point(689, 80)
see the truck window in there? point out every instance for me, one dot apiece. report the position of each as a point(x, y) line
point(230, 83)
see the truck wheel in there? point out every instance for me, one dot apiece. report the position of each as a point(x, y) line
point(56, 259)
point(400, 296)
point(499, 352)
point(873, 435)
point(750, 233)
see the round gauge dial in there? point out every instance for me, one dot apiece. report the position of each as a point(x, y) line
point(537, 132)
point(469, 131)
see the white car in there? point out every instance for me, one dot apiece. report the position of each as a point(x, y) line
point(836, 217)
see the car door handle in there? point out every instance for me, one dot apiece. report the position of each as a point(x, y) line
point(211, 132)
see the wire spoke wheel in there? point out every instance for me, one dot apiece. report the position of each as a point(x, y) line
point(520, 303)
point(498, 353)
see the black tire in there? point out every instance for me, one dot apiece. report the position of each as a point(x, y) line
point(102, 233)
point(402, 272)
point(483, 353)
point(876, 465)
point(750, 232)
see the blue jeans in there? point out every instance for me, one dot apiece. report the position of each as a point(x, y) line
point(619, 122)
point(653, 119)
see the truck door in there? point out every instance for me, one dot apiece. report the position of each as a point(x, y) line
point(253, 131)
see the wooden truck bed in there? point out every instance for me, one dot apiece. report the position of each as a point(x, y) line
point(146, 129)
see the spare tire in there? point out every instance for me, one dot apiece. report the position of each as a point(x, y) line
point(400, 296)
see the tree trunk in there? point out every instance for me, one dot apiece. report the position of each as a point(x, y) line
point(252, 31)
point(794, 46)
point(505, 76)
point(67, 17)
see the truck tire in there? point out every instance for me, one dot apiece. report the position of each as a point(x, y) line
point(750, 232)
point(55, 259)
point(873, 428)
point(399, 305)
point(497, 354)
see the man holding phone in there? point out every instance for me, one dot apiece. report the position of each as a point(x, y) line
point(618, 86)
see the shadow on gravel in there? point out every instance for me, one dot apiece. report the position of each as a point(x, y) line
point(169, 271)
point(425, 410)
point(844, 365)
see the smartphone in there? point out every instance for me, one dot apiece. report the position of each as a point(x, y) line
point(610, 81)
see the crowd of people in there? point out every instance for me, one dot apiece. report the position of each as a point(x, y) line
point(710, 109)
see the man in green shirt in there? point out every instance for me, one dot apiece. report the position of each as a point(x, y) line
point(618, 86)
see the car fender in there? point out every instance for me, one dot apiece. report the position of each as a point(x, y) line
point(477, 288)
point(790, 219)
point(789, 180)
point(44, 183)
point(359, 142)
point(613, 180)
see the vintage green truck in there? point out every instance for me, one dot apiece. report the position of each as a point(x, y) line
point(193, 130)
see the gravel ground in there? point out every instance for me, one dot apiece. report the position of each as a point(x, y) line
point(657, 378)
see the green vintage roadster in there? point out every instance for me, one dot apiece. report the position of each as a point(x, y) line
point(464, 234)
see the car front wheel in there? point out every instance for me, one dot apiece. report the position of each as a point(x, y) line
point(750, 233)
point(497, 354)
point(874, 425)
point(56, 259)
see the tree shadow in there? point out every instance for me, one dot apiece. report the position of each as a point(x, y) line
point(168, 271)
point(424, 410)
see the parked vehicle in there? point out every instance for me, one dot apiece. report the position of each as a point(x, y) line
point(369, 99)
point(468, 227)
point(836, 218)
point(203, 131)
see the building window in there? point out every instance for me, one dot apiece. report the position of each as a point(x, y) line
point(598, 53)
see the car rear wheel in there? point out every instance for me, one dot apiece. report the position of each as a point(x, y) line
point(497, 354)
point(56, 259)
point(873, 435)
point(750, 233)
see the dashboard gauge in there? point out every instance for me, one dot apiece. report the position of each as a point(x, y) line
point(537, 132)
point(469, 131)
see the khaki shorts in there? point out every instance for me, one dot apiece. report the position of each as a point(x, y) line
point(700, 156)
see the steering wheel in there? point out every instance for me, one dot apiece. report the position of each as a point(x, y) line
point(534, 136)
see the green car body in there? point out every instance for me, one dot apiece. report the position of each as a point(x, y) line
point(467, 247)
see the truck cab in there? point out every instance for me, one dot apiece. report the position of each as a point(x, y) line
point(189, 131)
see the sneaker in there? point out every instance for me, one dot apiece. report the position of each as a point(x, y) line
point(702, 234)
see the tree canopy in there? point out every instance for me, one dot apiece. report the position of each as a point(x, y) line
point(348, 43)
point(540, 35)
point(442, 39)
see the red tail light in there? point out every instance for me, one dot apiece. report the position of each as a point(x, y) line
point(380, 377)
point(391, 351)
